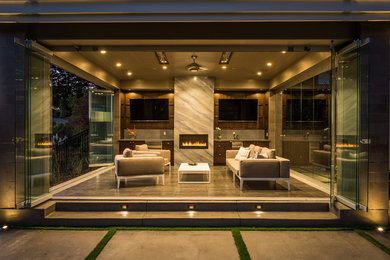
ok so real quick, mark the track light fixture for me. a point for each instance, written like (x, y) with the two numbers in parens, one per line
(161, 57)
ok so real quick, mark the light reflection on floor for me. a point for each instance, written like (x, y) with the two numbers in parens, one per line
(221, 186)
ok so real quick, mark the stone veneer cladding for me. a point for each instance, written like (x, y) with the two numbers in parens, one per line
(194, 114)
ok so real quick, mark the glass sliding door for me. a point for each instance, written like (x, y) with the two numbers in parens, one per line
(38, 145)
(101, 116)
(306, 128)
(351, 141)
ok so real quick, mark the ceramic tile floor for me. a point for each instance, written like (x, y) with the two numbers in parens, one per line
(221, 185)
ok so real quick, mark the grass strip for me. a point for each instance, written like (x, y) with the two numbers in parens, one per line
(100, 246)
(240, 244)
(373, 241)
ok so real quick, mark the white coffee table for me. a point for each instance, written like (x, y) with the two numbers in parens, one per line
(200, 168)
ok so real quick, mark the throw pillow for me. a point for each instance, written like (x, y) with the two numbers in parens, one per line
(127, 152)
(257, 155)
(252, 151)
(270, 153)
(243, 152)
(262, 156)
(257, 149)
(142, 147)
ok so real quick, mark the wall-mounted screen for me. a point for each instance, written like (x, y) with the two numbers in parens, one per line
(306, 110)
(149, 109)
(238, 110)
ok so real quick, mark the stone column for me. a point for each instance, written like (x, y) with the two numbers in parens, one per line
(275, 122)
(194, 114)
(117, 120)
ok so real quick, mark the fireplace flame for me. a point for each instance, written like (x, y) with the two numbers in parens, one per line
(346, 145)
(193, 144)
(44, 143)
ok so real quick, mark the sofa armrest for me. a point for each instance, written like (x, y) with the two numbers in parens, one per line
(284, 167)
(259, 168)
(231, 153)
(166, 154)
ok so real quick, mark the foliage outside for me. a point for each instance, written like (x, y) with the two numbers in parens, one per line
(70, 125)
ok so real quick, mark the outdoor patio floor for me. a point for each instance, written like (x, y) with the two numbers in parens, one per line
(221, 186)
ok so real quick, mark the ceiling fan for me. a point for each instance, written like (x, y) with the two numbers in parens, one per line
(195, 67)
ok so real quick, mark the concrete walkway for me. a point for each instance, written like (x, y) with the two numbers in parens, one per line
(171, 245)
(219, 244)
(48, 244)
(310, 245)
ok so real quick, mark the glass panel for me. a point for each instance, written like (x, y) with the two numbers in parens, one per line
(38, 121)
(364, 134)
(352, 127)
(20, 87)
(306, 128)
(101, 127)
(347, 135)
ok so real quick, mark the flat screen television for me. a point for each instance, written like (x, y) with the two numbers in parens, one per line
(149, 109)
(237, 110)
(306, 110)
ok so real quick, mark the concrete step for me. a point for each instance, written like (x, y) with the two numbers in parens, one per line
(161, 206)
(191, 218)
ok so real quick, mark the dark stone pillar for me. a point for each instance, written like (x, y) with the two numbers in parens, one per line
(7, 119)
(379, 72)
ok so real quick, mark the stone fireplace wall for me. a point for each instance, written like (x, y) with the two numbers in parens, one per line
(194, 114)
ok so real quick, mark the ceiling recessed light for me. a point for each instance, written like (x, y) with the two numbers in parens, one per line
(118, 64)
(284, 52)
(269, 64)
(259, 73)
(103, 51)
(164, 67)
(129, 73)
(224, 67)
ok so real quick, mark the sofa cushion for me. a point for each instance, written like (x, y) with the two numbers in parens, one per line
(242, 153)
(270, 152)
(142, 147)
(145, 155)
(127, 152)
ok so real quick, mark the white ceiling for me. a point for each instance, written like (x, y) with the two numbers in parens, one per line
(144, 65)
